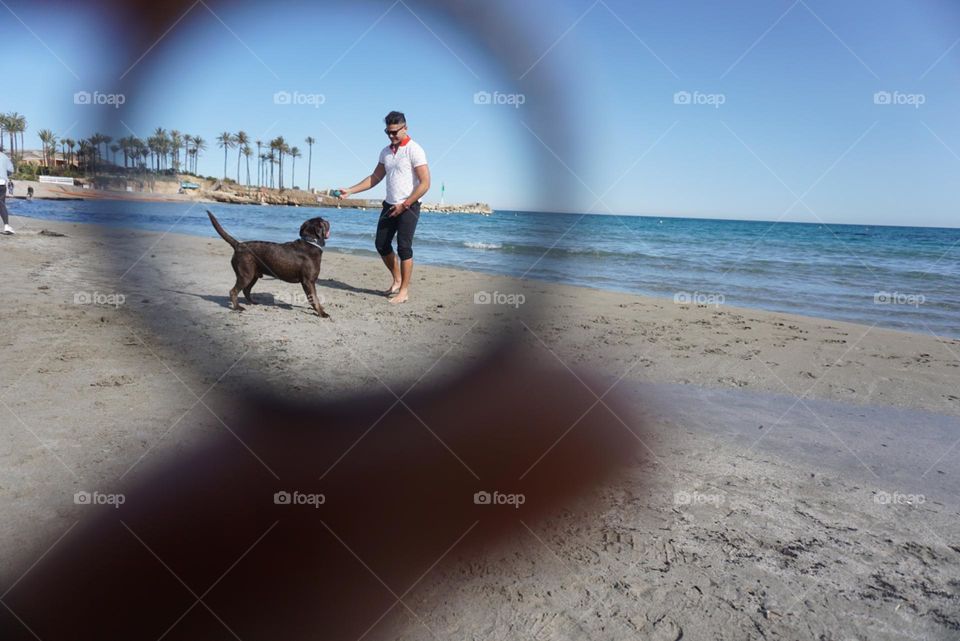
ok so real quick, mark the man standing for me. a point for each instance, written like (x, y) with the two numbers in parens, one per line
(404, 164)
(6, 170)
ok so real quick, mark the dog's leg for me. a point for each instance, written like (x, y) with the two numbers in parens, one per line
(246, 290)
(233, 295)
(310, 289)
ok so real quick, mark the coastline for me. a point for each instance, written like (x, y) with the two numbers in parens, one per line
(231, 193)
(794, 428)
(713, 346)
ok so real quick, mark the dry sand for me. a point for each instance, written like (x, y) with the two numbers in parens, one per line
(807, 470)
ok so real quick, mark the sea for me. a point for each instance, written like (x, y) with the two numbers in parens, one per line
(897, 277)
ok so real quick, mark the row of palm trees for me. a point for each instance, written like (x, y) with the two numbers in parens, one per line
(162, 152)
(85, 153)
(159, 152)
(11, 125)
(277, 150)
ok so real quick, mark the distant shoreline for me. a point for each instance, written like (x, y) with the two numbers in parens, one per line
(210, 191)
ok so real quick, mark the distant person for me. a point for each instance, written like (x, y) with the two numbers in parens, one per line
(29, 193)
(404, 164)
(6, 170)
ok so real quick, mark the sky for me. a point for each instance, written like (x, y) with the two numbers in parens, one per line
(801, 110)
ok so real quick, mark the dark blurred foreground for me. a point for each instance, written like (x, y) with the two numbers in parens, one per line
(374, 495)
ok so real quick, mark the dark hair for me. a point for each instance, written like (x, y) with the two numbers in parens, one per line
(395, 118)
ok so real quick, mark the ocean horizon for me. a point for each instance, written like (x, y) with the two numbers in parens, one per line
(727, 220)
(898, 277)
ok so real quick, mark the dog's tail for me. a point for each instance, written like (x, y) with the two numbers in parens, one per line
(223, 232)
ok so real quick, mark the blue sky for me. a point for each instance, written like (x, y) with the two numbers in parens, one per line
(797, 134)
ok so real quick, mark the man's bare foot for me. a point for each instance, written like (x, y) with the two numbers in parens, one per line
(393, 290)
(401, 297)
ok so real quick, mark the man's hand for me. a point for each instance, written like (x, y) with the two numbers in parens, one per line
(344, 192)
(398, 209)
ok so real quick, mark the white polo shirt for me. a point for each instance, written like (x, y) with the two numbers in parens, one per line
(401, 179)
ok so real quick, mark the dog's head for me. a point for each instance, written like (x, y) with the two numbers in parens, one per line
(316, 229)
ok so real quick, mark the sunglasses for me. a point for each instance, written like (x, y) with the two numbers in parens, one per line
(394, 132)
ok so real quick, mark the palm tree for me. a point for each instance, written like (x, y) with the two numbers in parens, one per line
(71, 143)
(140, 151)
(4, 125)
(294, 154)
(85, 152)
(153, 144)
(271, 158)
(259, 163)
(242, 140)
(310, 140)
(161, 148)
(176, 143)
(247, 152)
(93, 149)
(199, 145)
(272, 154)
(48, 140)
(187, 142)
(18, 125)
(280, 147)
(284, 151)
(165, 155)
(225, 141)
(65, 144)
(21, 127)
(106, 140)
(125, 148)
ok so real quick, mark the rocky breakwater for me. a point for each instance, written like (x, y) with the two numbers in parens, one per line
(300, 198)
(470, 208)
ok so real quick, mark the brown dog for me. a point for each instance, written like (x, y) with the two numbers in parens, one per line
(294, 262)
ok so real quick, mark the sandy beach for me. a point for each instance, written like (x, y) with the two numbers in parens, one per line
(805, 471)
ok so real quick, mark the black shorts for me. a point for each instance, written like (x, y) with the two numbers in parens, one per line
(402, 226)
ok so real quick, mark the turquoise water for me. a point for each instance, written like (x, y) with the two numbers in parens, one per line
(900, 277)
